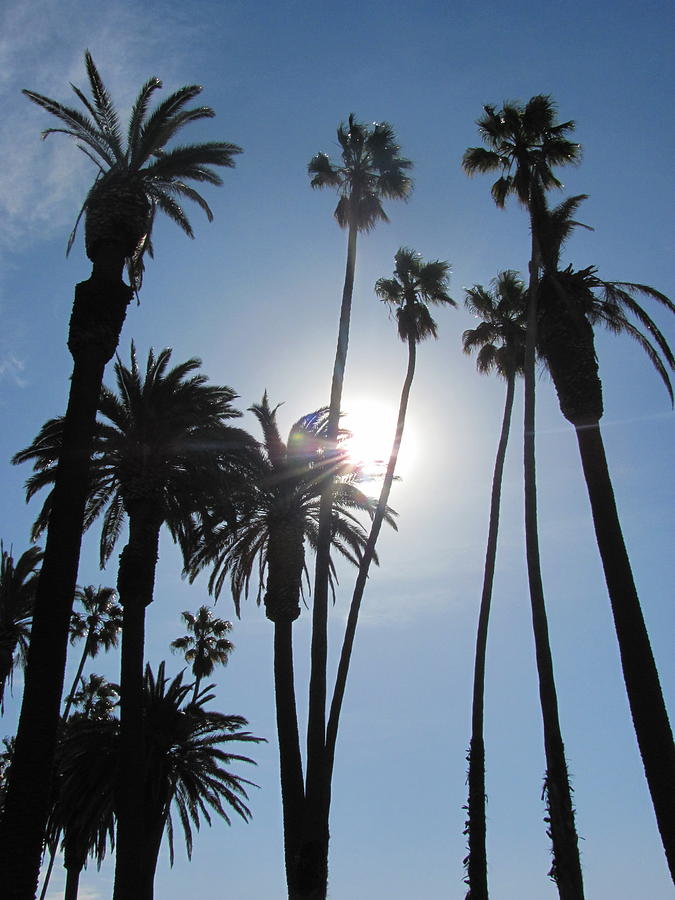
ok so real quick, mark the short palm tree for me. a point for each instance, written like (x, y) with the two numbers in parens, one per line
(205, 645)
(523, 144)
(371, 169)
(134, 179)
(187, 750)
(100, 626)
(414, 285)
(572, 303)
(278, 519)
(162, 448)
(18, 583)
(82, 809)
(500, 341)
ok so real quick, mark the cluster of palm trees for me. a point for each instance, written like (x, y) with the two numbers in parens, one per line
(160, 449)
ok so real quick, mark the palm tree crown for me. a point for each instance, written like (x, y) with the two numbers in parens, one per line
(500, 336)
(18, 582)
(523, 142)
(138, 175)
(371, 168)
(415, 283)
(280, 512)
(102, 620)
(162, 440)
(206, 644)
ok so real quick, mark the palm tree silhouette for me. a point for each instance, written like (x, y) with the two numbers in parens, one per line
(205, 645)
(135, 178)
(371, 169)
(161, 448)
(523, 143)
(278, 515)
(99, 626)
(414, 285)
(572, 303)
(500, 341)
(18, 582)
(82, 807)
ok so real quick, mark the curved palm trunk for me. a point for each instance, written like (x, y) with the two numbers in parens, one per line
(364, 567)
(566, 869)
(475, 827)
(645, 697)
(313, 854)
(98, 313)
(135, 584)
(570, 354)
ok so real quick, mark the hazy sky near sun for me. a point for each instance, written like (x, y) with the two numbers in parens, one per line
(256, 297)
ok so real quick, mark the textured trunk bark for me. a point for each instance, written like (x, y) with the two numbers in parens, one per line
(290, 761)
(645, 697)
(135, 584)
(566, 869)
(72, 883)
(313, 854)
(98, 313)
(475, 826)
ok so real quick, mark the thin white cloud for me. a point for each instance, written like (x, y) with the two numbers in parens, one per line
(42, 47)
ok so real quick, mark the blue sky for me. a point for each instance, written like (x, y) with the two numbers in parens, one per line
(256, 297)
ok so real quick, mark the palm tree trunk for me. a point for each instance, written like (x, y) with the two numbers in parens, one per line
(290, 761)
(645, 697)
(135, 584)
(72, 883)
(313, 855)
(566, 869)
(475, 826)
(98, 313)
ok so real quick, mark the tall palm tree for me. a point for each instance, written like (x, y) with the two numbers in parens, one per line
(500, 341)
(572, 303)
(162, 447)
(414, 285)
(18, 583)
(205, 645)
(523, 143)
(135, 178)
(278, 519)
(371, 169)
(99, 626)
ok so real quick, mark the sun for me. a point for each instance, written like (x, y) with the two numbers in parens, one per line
(372, 424)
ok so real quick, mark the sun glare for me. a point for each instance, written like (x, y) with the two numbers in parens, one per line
(372, 425)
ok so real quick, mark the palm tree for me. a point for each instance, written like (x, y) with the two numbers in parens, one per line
(134, 179)
(18, 582)
(500, 341)
(572, 303)
(161, 447)
(371, 169)
(523, 143)
(187, 749)
(100, 627)
(83, 799)
(184, 766)
(205, 645)
(279, 517)
(414, 285)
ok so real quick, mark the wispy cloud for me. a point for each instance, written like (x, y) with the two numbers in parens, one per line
(41, 47)
(11, 367)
